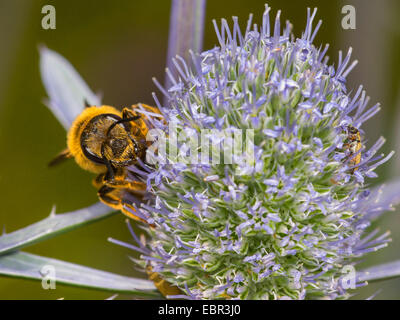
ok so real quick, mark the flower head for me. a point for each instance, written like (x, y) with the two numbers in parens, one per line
(290, 211)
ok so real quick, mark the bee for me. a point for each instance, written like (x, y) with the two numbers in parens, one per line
(166, 288)
(354, 145)
(162, 285)
(105, 141)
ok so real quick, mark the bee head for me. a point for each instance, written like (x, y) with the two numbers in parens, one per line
(108, 140)
(120, 147)
(352, 130)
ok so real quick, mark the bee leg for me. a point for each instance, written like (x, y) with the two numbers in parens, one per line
(63, 155)
(135, 187)
(113, 198)
(98, 182)
(106, 195)
(120, 181)
(129, 114)
(142, 128)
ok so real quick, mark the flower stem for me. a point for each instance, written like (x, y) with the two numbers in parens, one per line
(185, 30)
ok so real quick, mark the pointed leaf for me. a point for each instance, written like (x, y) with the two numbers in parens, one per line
(52, 226)
(66, 89)
(29, 266)
(380, 272)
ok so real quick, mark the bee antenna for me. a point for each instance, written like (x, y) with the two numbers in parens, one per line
(122, 121)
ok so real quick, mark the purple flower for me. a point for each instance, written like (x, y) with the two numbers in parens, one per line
(282, 219)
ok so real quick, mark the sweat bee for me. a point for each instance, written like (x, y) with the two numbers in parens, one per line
(354, 145)
(105, 141)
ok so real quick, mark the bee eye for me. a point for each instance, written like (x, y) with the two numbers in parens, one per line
(352, 130)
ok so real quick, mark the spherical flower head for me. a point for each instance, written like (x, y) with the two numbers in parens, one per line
(284, 213)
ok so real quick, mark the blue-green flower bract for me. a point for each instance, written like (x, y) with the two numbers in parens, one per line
(299, 212)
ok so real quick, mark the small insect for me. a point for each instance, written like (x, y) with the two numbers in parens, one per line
(354, 145)
(105, 141)
(162, 285)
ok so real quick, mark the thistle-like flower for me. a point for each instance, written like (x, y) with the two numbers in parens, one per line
(256, 184)
(291, 210)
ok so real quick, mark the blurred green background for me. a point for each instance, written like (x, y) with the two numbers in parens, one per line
(117, 46)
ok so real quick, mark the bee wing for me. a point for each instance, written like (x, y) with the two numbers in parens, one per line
(63, 155)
